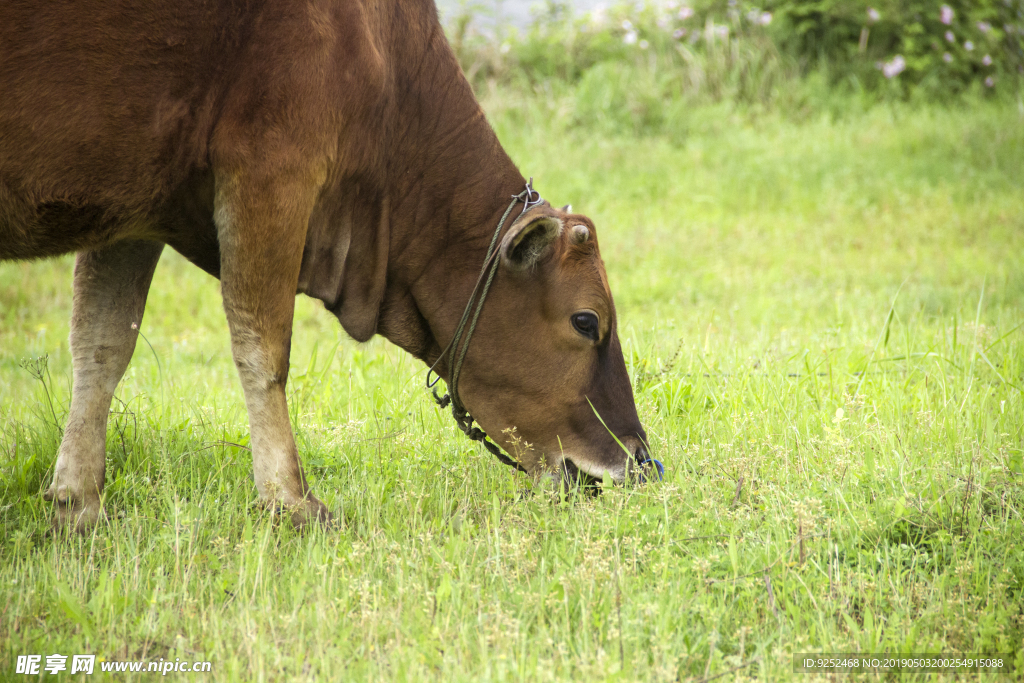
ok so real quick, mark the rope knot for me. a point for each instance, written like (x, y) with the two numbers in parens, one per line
(442, 401)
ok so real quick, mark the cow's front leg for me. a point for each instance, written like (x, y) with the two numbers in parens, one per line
(110, 288)
(261, 225)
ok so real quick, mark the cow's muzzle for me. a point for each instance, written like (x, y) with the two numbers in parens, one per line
(638, 467)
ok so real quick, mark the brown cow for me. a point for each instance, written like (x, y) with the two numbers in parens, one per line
(330, 147)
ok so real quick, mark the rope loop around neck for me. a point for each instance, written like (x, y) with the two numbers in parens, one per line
(459, 345)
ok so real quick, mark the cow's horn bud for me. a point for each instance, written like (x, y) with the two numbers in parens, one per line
(579, 234)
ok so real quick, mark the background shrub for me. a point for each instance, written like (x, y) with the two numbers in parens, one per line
(763, 53)
(944, 47)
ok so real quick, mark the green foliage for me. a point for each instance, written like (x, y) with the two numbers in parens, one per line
(947, 47)
(758, 53)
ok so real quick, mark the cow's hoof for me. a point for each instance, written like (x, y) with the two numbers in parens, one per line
(74, 512)
(310, 513)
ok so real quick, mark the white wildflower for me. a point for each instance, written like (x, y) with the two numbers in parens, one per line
(894, 67)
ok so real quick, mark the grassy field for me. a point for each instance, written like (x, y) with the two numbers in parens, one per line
(824, 322)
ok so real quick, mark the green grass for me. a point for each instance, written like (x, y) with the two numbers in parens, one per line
(824, 320)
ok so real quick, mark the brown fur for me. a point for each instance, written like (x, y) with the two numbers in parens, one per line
(330, 147)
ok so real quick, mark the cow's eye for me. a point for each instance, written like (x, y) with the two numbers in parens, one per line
(587, 324)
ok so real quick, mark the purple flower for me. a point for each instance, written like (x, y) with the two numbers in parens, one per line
(679, 33)
(950, 38)
(968, 45)
(766, 18)
(989, 82)
(873, 15)
(894, 67)
(947, 58)
(987, 60)
(946, 15)
(685, 12)
(984, 26)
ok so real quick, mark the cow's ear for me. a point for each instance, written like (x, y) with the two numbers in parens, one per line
(527, 242)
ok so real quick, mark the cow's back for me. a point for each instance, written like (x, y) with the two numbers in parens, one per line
(108, 107)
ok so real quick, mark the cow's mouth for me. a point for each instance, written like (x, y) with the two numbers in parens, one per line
(574, 477)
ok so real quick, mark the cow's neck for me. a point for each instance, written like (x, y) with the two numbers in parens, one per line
(396, 251)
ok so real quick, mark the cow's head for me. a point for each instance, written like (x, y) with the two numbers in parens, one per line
(545, 365)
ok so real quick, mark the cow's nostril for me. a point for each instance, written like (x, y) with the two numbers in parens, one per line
(648, 467)
(641, 452)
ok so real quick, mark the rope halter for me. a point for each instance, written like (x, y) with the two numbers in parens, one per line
(459, 345)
